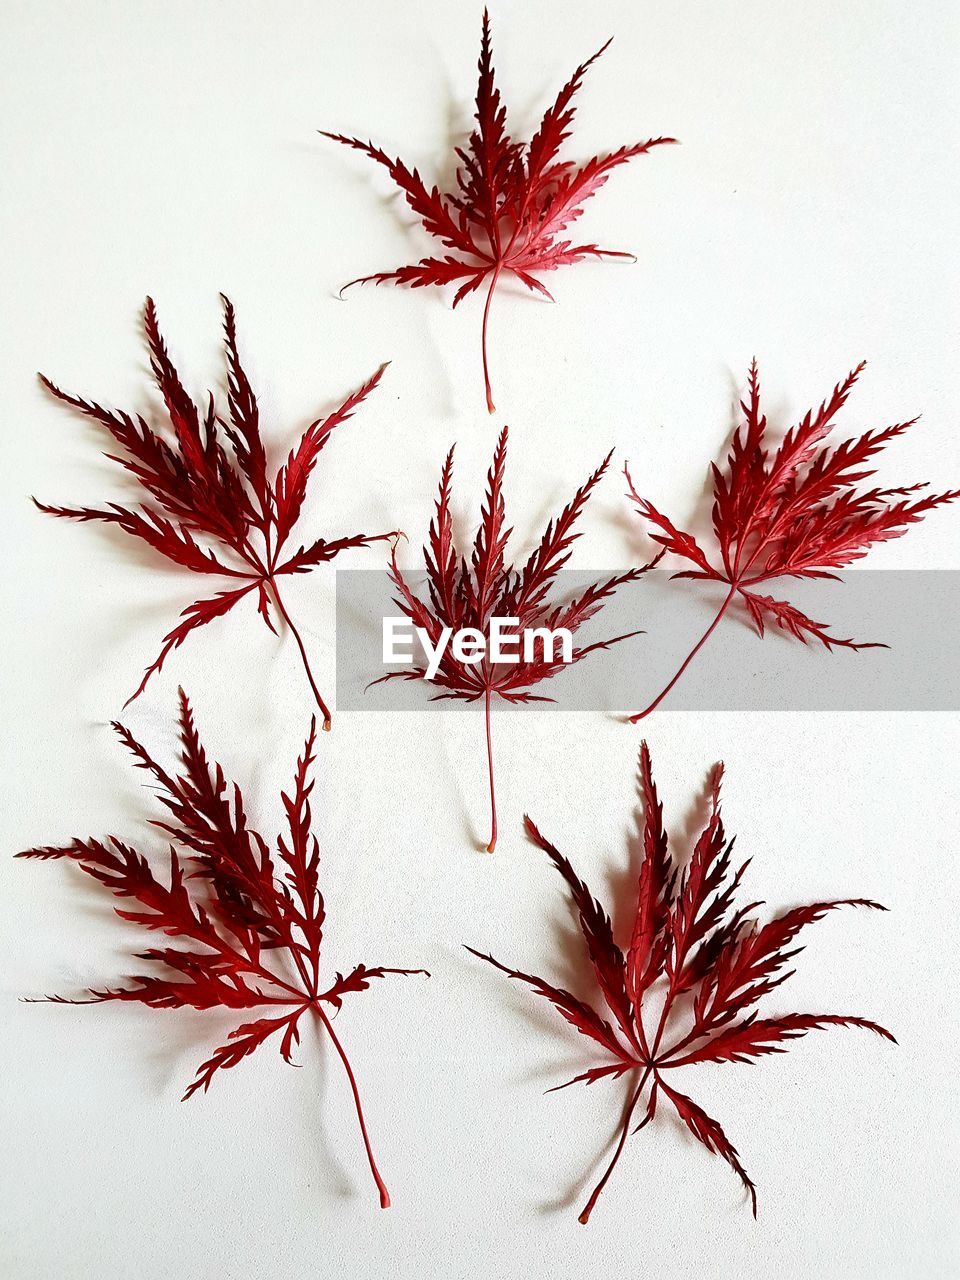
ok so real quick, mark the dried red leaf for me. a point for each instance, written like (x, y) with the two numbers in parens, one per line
(701, 962)
(251, 923)
(209, 493)
(464, 593)
(511, 202)
(798, 510)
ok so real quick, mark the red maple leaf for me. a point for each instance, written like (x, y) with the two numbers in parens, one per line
(511, 202)
(702, 962)
(212, 509)
(798, 510)
(469, 594)
(251, 925)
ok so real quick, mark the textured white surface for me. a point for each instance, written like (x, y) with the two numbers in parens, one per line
(810, 218)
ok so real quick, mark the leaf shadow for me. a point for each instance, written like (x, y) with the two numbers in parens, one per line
(328, 1160)
(471, 823)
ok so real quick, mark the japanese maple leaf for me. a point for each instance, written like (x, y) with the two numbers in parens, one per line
(249, 925)
(797, 510)
(464, 594)
(211, 506)
(701, 961)
(511, 202)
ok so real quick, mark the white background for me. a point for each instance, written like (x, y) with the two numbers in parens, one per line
(809, 217)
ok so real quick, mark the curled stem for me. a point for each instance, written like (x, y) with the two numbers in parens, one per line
(493, 798)
(381, 1185)
(303, 653)
(624, 1130)
(640, 715)
(491, 407)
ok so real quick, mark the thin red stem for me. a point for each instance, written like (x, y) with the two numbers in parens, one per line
(303, 653)
(491, 407)
(640, 715)
(662, 1024)
(641, 1029)
(310, 984)
(381, 1185)
(624, 1130)
(493, 798)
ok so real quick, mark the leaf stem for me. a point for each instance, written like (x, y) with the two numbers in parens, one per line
(303, 652)
(381, 1186)
(662, 1024)
(491, 407)
(640, 715)
(624, 1130)
(493, 798)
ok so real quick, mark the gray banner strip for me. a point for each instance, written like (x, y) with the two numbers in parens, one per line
(915, 613)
